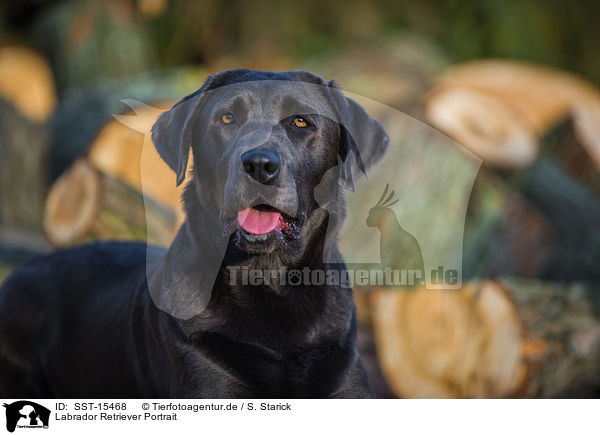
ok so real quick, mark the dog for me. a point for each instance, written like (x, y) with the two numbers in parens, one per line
(124, 319)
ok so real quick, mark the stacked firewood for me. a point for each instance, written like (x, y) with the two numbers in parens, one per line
(120, 189)
(72, 170)
(27, 100)
(526, 322)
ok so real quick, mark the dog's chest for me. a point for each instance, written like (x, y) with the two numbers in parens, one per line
(285, 372)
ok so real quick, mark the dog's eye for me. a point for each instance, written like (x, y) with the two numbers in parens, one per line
(227, 118)
(300, 122)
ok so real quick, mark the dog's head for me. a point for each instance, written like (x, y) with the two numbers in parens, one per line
(262, 142)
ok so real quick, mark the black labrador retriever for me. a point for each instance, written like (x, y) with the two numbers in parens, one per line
(273, 153)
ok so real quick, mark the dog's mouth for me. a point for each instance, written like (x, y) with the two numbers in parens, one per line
(260, 220)
(263, 224)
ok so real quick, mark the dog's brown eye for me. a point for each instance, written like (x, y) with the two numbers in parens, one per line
(300, 122)
(227, 118)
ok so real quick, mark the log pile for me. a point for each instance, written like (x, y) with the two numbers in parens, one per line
(449, 343)
(43, 141)
(535, 201)
(27, 99)
(526, 323)
(497, 108)
(489, 339)
(101, 193)
(121, 189)
(123, 149)
(84, 111)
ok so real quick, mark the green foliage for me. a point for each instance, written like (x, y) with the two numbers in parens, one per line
(90, 39)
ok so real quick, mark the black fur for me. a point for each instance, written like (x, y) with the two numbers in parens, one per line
(84, 322)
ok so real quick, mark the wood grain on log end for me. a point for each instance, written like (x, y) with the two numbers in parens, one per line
(485, 123)
(85, 204)
(450, 343)
(72, 204)
(537, 96)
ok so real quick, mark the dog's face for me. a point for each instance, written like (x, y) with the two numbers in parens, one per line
(262, 142)
(269, 143)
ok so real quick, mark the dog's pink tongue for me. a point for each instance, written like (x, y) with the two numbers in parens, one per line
(257, 221)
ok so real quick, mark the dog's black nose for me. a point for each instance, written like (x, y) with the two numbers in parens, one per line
(262, 165)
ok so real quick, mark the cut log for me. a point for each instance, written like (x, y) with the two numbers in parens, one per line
(84, 111)
(117, 148)
(508, 338)
(26, 81)
(366, 345)
(484, 122)
(85, 204)
(123, 149)
(450, 343)
(541, 97)
(73, 204)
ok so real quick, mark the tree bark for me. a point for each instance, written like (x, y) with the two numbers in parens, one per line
(23, 172)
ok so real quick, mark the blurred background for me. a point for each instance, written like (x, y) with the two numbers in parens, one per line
(514, 82)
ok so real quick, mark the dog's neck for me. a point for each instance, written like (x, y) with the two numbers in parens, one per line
(194, 285)
(283, 313)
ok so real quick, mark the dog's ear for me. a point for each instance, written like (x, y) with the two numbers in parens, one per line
(172, 131)
(363, 140)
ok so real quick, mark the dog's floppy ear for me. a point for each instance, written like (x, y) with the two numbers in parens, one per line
(363, 140)
(172, 132)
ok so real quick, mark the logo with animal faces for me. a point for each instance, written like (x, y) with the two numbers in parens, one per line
(25, 414)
